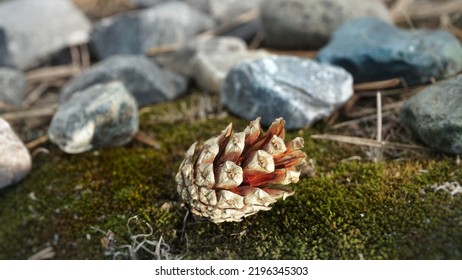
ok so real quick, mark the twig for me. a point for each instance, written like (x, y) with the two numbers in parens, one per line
(31, 113)
(35, 94)
(369, 142)
(379, 151)
(145, 139)
(398, 7)
(47, 253)
(429, 11)
(242, 19)
(377, 85)
(308, 54)
(163, 49)
(51, 73)
(37, 142)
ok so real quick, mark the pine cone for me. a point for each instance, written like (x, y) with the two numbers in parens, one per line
(235, 175)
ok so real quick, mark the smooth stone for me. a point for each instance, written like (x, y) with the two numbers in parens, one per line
(138, 31)
(301, 24)
(434, 115)
(142, 4)
(15, 160)
(181, 61)
(209, 70)
(35, 30)
(104, 115)
(224, 10)
(373, 50)
(13, 86)
(144, 79)
(299, 90)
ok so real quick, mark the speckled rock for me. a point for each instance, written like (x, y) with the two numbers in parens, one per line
(300, 24)
(15, 160)
(103, 115)
(144, 79)
(37, 29)
(434, 115)
(13, 86)
(373, 50)
(137, 32)
(210, 69)
(299, 90)
(181, 61)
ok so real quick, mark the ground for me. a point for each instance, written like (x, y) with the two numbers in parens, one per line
(88, 206)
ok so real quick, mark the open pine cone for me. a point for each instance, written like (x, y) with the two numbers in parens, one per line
(235, 175)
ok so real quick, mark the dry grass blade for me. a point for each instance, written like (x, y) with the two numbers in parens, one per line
(398, 7)
(163, 49)
(426, 11)
(230, 25)
(145, 139)
(35, 94)
(37, 142)
(369, 142)
(377, 85)
(51, 73)
(30, 113)
(308, 54)
(47, 253)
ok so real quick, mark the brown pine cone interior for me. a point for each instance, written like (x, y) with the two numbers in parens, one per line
(235, 175)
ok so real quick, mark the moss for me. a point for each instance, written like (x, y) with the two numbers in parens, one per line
(348, 210)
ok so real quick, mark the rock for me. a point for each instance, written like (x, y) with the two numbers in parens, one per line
(137, 32)
(373, 50)
(5, 59)
(146, 81)
(13, 86)
(104, 115)
(299, 90)
(142, 4)
(210, 69)
(15, 160)
(300, 24)
(38, 29)
(434, 115)
(224, 10)
(181, 61)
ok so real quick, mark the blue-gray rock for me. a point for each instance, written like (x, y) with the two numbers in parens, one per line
(434, 115)
(142, 4)
(299, 90)
(373, 50)
(5, 59)
(144, 79)
(15, 160)
(181, 61)
(13, 86)
(138, 31)
(35, 30)
(104, 115)
(301, 24)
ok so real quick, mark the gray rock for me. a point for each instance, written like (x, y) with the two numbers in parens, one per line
(210, 69)
(13, 86)
(141, 4)
(15, 160)
(434, 115)
(146, 81)
(5, 59)
(299, 90)
(224, 10)
(372, 50)
(37, 29)
(300, 24)
(181, 61)
(104, 115)
(137, 32)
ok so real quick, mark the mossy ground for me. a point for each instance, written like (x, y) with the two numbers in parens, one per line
(347, 210)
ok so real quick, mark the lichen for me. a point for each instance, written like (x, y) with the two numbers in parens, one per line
(347, 210)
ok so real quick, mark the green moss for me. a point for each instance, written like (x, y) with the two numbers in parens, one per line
(348, 210)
